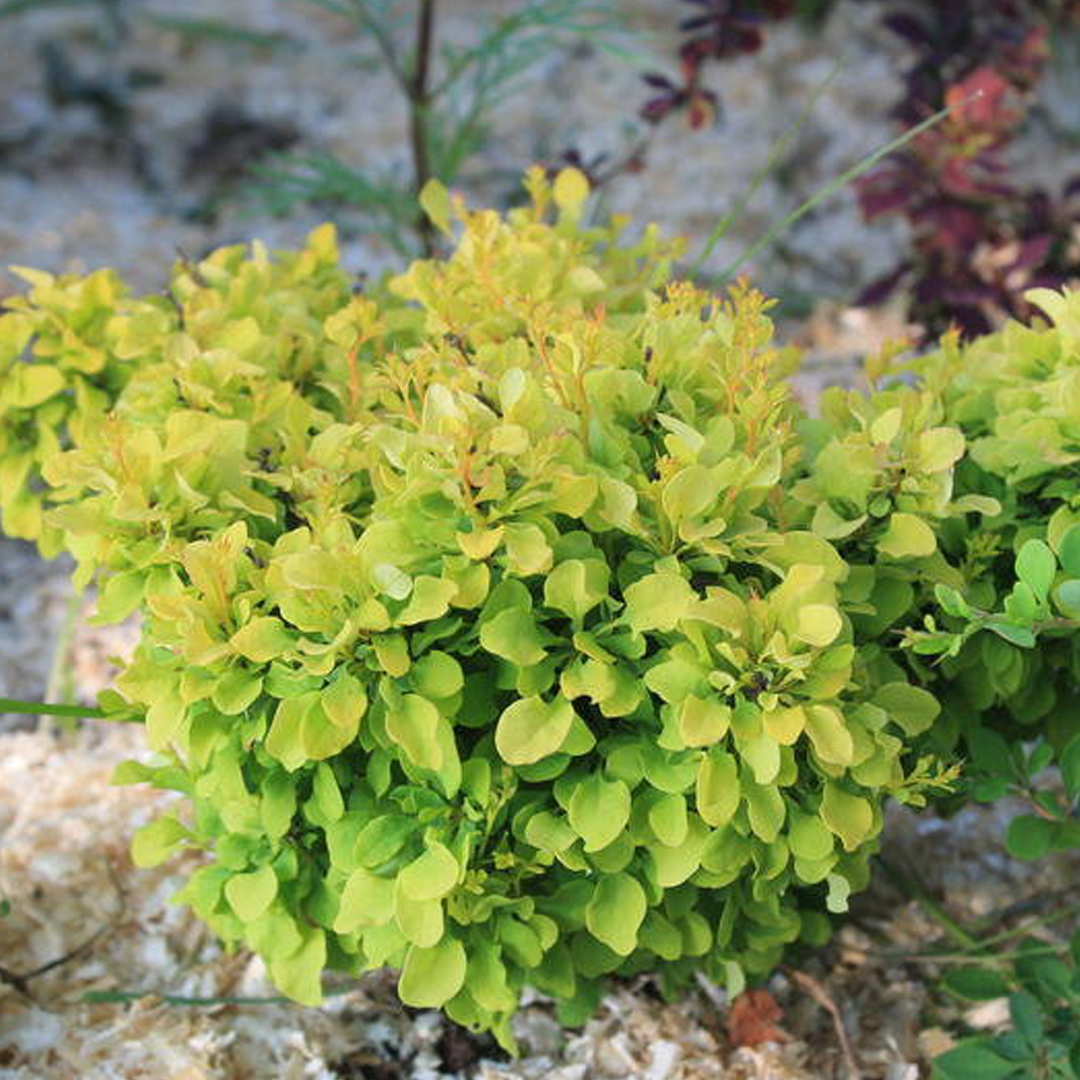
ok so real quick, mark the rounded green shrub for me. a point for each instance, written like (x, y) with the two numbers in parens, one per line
(508, 623)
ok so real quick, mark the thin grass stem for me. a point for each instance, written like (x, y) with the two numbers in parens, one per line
(778, 149)
(41, 708)
(866, 163)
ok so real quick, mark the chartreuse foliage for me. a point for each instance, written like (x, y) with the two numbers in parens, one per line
(509, 624)
(81, 364)
(955, 503)
(997, 640)
(475, 624)
(980, 462)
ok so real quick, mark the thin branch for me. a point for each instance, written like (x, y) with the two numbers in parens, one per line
(965, 959)
(419, 111)
(1022, 907)
(20, 981)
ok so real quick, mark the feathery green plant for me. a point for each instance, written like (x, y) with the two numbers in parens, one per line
(451, 94)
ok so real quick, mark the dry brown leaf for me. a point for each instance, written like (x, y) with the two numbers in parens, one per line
(751, 1019)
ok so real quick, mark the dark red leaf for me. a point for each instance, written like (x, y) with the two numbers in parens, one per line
(703, 109)
(660, 82)
(657, 108)
(1032, 252)
(884, 192)
(979, 100)
(908, 27)
(883, 287)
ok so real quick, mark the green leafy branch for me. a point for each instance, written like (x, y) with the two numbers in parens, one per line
(1039, 978)
(1041, 577)
(1042, 985)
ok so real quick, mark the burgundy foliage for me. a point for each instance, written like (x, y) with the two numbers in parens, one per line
(718, 30)
(978, 239)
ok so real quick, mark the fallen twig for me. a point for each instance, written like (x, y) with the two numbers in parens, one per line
(821, 996)
(21, 982)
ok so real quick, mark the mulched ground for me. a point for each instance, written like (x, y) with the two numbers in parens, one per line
(78, 190)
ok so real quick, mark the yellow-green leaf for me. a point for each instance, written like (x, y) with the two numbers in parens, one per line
(913, 708)
(718, 789)
(530, 729)
(831, 739)
(908, 537)
(818, 624)
(345, 702)
(599, 810)
(155, 842)
(658, 601)
(570, 190)
(939, 449)
(430, 598)
(298, 975)
(432, 976)
(261, 640)
(366, 901)
(435, 202)
(703, 721)
(432, 875)
(848, 816)
(412, 723)
(250, 894)
(616, 911)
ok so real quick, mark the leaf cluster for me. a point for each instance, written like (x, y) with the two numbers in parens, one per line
(958, 485)
(477, 626)
(953, 489)
(511, 625)
(1005, 637)
(980, 237)
(1043, 1038)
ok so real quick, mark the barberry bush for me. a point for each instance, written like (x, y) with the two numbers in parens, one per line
(474, 628)
(509, 623)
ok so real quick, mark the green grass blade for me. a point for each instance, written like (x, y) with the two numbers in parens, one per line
(18, 7)
(41, 708)
(778, 149)
(833, 186)
(119, 997)
(221, 31)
